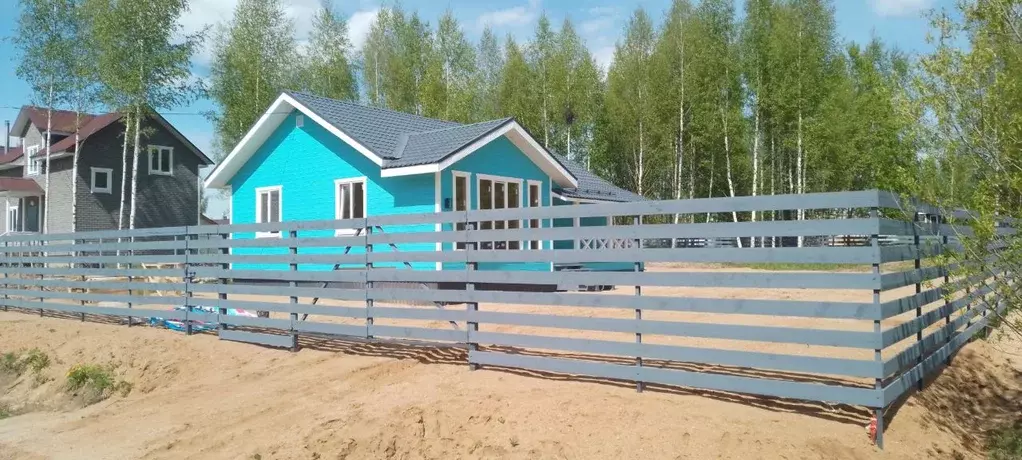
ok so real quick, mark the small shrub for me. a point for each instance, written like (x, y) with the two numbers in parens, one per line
(10, 364)
(1006, 443)
(90, 376)
(36, 360)
(5, 411)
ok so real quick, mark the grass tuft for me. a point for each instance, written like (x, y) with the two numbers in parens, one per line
(90, 376)
(1006, 443)
(35, 360)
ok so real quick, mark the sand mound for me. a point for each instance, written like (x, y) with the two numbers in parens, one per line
(197, 397)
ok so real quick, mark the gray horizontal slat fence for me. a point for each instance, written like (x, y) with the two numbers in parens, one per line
(523, 295)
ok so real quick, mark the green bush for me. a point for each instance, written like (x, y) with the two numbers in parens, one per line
(36, 360)
(90, 376)
(10, 364)
(5, 411)
(1006, 443)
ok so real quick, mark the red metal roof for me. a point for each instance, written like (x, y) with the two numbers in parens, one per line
(62, 120)
(95, 124)
(10, 155)
(19, 184)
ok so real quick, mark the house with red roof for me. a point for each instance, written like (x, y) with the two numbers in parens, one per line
(168, 174)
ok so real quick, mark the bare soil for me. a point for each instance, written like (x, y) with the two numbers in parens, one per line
(198, 397)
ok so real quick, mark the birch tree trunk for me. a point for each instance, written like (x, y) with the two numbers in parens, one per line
(681, 127)
(46, 179)
(74, 174)
(798, 166)
(124, 172)
(727, 159)
(134, 168)
(755, 164)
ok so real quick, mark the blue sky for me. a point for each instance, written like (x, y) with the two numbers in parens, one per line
(601, 22)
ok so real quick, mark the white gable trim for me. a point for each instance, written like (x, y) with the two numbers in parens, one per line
(265, 126)
(521, 138)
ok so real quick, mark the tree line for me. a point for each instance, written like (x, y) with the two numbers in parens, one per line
(700, 100)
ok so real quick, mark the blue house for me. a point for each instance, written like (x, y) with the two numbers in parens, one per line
(313, 158)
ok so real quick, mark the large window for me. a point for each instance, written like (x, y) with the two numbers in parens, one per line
(34, 166)
(268, 209)
(161, 160)
(101, 180)
(499, 193)
(350, 200)
(535, 201)
(461, 194)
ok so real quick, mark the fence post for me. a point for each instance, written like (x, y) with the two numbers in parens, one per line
(874, 240)
(7, 266)
(224, 267)
(639, 385)
(74, 252)
(293, 300)
(919, 287)
(947, 279)
(131, 251)
(41, 276)
(369, 284)
(471, 307)
(188, 284)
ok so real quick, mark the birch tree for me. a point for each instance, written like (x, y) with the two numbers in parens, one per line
(144, 58)
(449, 91)
(253, 62)
(489, 66)
(328, 68)
(575, 87)
(516, 95)
(672, 69)
(45, 43)
(541, 58)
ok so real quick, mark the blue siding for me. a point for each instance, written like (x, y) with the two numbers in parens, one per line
(500, 158)
(305, 162)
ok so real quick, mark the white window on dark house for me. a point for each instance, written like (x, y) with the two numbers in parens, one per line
(499, 193)
(161, 160)
(269, 208)
(349, 200)
(34, 167)
(101, 179)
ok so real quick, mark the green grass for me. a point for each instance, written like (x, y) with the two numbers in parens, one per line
(35, 360)
(90, 376)
(98, 381)
(1006, 443)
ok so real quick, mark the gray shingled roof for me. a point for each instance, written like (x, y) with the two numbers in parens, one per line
(379, 130)
(432, 146)
(403, 139)
(591, 186)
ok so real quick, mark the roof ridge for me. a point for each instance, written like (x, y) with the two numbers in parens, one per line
(369, 107)
(501, 120)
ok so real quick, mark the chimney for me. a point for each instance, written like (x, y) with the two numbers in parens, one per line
(7, 144)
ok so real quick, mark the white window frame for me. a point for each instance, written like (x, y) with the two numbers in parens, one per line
(161, 149)
(259, 211)
(109, 180)
(506, 180)
(32, 167)
(454, 200)
(337, 202)
(10, 207)
(528, 196)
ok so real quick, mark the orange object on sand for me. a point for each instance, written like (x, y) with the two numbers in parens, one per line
(872, 429)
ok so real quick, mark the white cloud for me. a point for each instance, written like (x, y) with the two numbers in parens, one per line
(359, 25)
(899, 8)
(601, 24)
(516, 16)
(604, 56)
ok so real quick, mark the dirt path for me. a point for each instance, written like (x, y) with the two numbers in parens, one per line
(197, 397)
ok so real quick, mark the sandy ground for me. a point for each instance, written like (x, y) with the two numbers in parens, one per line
(198, 397)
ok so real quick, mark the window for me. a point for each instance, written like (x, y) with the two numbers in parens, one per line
(535, 201)
(268, 209)
(35, 167)
(13, 218)
(101, 179)
(499, 193)
(350, 201)
(161, 160)
(460, 200)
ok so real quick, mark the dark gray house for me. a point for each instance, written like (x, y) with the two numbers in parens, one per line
(168, 180)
